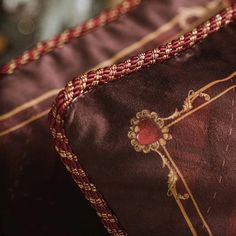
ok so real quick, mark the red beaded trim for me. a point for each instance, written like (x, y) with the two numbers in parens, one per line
(90, 80)
(43, 48)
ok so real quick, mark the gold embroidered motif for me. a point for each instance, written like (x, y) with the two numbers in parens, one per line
(159, 122)
(149, 132)
(160, 135)
(188, 107)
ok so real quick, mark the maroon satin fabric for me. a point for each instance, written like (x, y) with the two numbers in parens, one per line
(134, 184)
(56, 68)
(37, 195)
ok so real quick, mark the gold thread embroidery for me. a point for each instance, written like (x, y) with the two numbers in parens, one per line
(59, 135)
(188, 190)
(65, 154)
(161, 139)
(108, 62)
(66, 148)
(188, 103)
(33, 118)
(181, 17)
(157, 142)
(146, 114)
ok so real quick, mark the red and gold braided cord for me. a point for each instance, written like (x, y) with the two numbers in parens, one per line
(43, 48)
(86, 82)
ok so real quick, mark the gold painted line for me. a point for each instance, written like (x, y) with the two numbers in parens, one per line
(53, 92)
(208, 86)
(29, 104)
(200, 107)
(164, 28)
(126, 51)
(184, 213)
(146, 39)
(179, 203)
(188, 190)
(108, 62)
(24, 123)
(211, 12)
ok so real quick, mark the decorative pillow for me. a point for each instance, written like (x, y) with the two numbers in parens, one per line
(154, 152)
(37, 197)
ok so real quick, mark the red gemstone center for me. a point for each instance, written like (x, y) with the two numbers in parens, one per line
(149, 132)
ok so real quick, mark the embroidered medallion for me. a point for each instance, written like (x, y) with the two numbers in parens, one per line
(148, 131)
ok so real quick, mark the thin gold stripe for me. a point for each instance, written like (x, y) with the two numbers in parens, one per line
(108, 62)
(188, 190)
(29, 104)
(214, 10)
(146, 39)
(179, 203)
(121, 54)
(164, 28)
(39, 115)
(50, 93)
(200, 107)
(24, 123)
(208, 86)
(185, 215)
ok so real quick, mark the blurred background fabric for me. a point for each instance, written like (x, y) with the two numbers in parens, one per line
(26, 22)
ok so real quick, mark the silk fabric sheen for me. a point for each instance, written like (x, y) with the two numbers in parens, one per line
(203, 145)
(37, 195)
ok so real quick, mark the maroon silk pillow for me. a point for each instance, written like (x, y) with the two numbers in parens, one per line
(38, 196)
(154, 152)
